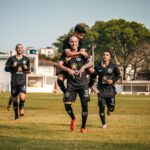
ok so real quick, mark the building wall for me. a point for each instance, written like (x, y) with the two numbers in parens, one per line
(46, 70)
(4, 76)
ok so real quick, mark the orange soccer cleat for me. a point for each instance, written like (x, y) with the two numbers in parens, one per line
(73, 124)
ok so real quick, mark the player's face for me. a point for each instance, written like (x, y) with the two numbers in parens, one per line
(74, 43)
(80, 35)
(20, 49)
(106, 56)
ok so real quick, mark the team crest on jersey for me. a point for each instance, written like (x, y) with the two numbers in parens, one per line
(104, 78)
(24, 62)
(78, 59)
(110, 70)
(74, 66)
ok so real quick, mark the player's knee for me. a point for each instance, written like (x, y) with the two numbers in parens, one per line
(101, 113)
(68, 108)
(14, 99)
(85, 113)
(111, 108)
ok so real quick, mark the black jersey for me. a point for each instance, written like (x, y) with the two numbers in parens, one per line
(111, 72)
(16, 68)
(75, 64)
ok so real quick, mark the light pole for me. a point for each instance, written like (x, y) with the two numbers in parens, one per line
(93, 46)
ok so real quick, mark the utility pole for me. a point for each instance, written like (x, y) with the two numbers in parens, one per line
(93, 46)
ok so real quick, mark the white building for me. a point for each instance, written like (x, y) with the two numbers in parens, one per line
(48, 51)
(4, 76)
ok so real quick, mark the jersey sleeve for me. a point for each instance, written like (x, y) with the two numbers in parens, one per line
(8, 65)
(117, 75)
(28, 65)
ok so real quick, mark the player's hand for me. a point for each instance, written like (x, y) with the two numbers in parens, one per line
(82, 69)
(109, 81)
(85, 54)
(25, 67)
(72, 72)
(14, 64)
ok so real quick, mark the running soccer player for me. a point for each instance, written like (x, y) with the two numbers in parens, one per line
(77, 83)
(79, 32)
(18, 66)
(108, 73)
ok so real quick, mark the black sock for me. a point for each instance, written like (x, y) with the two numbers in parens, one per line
(69, 111)
(61, 85)
(21, 104)
(92, 79)
(10, 101)
(15, 105)
(84, 113)
(102, 116)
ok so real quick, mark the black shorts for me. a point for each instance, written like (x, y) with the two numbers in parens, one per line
(16, 89)
(71, 94)
(107, 91)
(109, 101)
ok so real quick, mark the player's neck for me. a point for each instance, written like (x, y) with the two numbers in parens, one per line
(105, 63)
(19, 56)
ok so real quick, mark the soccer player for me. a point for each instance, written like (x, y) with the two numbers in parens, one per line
(79, 32)
(18, 66)
(76, 84)
(108, 73)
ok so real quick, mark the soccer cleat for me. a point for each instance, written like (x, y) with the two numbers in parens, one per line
(104, 126)
(8, 107)
(73, 124)
(16, 117)
(21, 112)
(83, 130)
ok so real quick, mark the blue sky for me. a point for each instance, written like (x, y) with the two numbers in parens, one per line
(39, 23)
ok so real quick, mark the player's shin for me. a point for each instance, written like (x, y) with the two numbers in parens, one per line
(84, 114)
(21, 106)
(15, 105)
(61, 85)
(69, 111)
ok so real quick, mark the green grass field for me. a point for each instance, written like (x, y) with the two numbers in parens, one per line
(46, 125)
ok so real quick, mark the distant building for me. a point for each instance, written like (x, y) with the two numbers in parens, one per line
(48, 51)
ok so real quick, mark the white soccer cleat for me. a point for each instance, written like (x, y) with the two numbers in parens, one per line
(104, 126)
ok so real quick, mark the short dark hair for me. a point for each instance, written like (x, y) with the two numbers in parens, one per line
(17, 46)
(108, 51)
(79, 28)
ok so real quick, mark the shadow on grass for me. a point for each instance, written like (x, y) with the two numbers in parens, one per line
(7, 143)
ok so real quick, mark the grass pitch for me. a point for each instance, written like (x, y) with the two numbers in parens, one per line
(46, 125)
